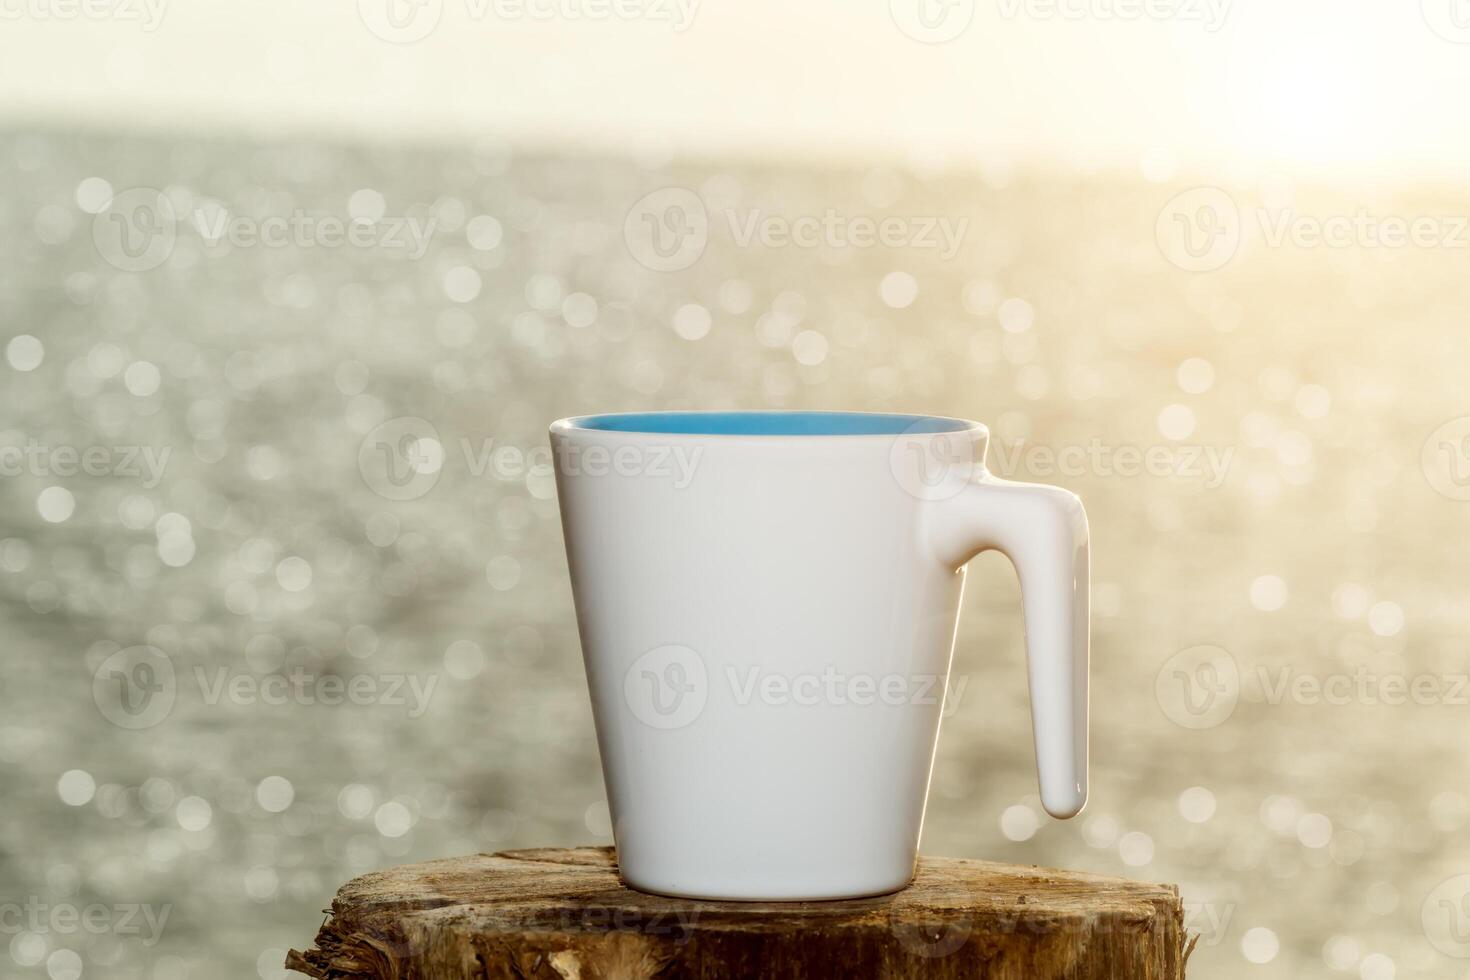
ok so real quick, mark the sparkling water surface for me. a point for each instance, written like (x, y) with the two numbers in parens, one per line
(1271, 449)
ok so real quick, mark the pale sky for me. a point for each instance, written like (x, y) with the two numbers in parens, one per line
(1199, 86)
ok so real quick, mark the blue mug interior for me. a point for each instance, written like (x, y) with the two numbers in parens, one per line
(770, 423)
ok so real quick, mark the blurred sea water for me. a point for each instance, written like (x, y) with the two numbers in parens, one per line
(1268, 436)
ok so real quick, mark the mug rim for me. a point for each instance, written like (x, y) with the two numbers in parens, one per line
(766, 424)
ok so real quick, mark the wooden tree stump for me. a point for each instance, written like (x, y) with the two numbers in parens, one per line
(563, 915)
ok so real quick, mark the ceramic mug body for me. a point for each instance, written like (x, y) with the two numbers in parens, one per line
(767, 604)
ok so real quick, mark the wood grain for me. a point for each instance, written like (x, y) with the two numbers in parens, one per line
(564, 915)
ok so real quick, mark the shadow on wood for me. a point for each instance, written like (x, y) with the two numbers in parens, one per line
(563, 915)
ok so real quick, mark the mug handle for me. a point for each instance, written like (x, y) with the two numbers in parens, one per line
(1043, 530)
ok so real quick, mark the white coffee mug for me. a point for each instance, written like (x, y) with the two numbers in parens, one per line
(767, 604)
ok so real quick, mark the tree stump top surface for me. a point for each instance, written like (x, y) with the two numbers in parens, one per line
(558, 913)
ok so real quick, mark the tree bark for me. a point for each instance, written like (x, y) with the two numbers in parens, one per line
(563, 915)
